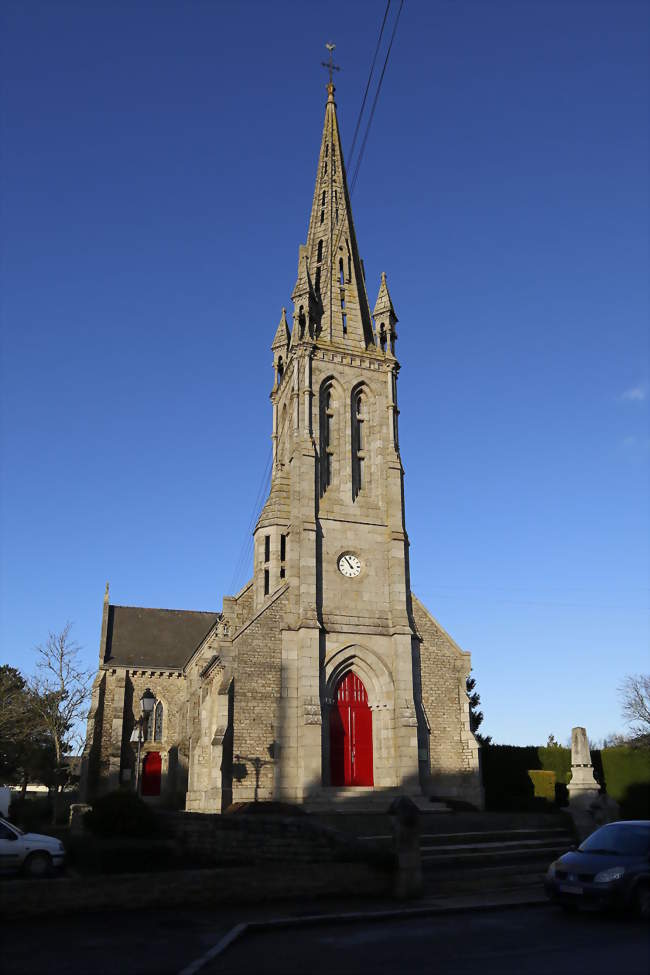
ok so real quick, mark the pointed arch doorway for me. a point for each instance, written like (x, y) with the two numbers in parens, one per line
(351, 734)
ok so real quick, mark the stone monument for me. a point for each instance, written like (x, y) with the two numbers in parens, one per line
(588, 808)
(582, 771)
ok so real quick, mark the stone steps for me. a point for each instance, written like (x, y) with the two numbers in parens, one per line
(489, 859)
(361, 799)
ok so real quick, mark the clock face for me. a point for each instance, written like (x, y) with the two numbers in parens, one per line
(349, 565)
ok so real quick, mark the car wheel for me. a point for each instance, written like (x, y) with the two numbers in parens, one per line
(642, 900)
(38, 865)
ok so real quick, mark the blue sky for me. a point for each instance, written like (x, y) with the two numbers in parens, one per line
(158, 162)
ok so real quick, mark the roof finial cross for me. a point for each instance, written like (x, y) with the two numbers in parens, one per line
(330, 64)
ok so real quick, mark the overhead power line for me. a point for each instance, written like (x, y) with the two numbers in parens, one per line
(352, 184)
(374, 104)
(372, 70)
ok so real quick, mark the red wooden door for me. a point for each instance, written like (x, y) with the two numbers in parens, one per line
(151, 774)
(351, 734)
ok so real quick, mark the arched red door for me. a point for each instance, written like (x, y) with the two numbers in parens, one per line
(351, 734)
(151, 774)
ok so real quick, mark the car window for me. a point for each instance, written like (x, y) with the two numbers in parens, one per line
(16, 829)
(623, 838)
(6, 833)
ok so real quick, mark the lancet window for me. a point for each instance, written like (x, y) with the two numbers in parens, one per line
(359, 436)
(328, 444)
(158, 722)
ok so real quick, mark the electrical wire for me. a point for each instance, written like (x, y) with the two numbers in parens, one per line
(372, 69)
(350, 191)
(374, 104)
(247, 544)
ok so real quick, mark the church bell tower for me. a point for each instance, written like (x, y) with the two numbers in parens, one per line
(333, 527)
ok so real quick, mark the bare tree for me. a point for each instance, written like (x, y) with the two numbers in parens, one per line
(61, 691)
(635, 697)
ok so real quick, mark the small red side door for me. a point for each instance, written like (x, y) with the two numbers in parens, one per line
(151, 767)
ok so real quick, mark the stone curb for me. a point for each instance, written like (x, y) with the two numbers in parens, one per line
(354, 917)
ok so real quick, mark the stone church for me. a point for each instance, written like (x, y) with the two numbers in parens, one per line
(324, 680)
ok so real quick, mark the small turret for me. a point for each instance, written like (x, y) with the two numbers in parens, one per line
(280, 347)
(305, 299)
(385, 318)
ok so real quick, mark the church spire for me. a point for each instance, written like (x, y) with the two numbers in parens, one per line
(331, 289)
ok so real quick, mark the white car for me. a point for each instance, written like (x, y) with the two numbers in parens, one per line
(33, 853)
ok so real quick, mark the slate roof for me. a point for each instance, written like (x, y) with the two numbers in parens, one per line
(156, 639)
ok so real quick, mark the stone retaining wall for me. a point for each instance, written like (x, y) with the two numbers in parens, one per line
(242, 839)
(228, 886)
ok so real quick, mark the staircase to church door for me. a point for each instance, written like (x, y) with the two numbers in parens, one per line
(351, 734)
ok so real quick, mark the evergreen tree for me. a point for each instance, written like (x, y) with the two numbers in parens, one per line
(475, 716)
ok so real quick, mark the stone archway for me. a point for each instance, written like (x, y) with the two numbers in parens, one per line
(360, 664)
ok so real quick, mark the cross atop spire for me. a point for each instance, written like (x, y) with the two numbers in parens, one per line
(330, 67)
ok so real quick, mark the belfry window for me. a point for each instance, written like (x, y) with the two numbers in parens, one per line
(327, 439)
(322, 202)
(283, 556)
(267, 548)
(341, 272)
(317, 281)
(358, 443)
(158, 722)
(344, 317)
(319, 252)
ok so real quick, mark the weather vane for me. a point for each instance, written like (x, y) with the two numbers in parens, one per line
(330, 64)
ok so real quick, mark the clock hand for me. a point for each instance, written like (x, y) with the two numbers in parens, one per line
(346, 559)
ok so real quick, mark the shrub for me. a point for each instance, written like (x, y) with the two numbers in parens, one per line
(121, 813)
(555, 758)
(627, 778)
(31, 813)
(543, 784)
(506, 779)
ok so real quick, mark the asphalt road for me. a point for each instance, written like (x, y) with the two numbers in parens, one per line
(527, 941)
(523, 941)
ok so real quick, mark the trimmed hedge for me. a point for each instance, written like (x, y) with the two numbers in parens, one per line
(507, 783)
(519, 777)
(543, 784)
(627, 778)
(556, 759)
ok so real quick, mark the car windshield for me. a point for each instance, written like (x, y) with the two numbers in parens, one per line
(626, 839)
(15, 828)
